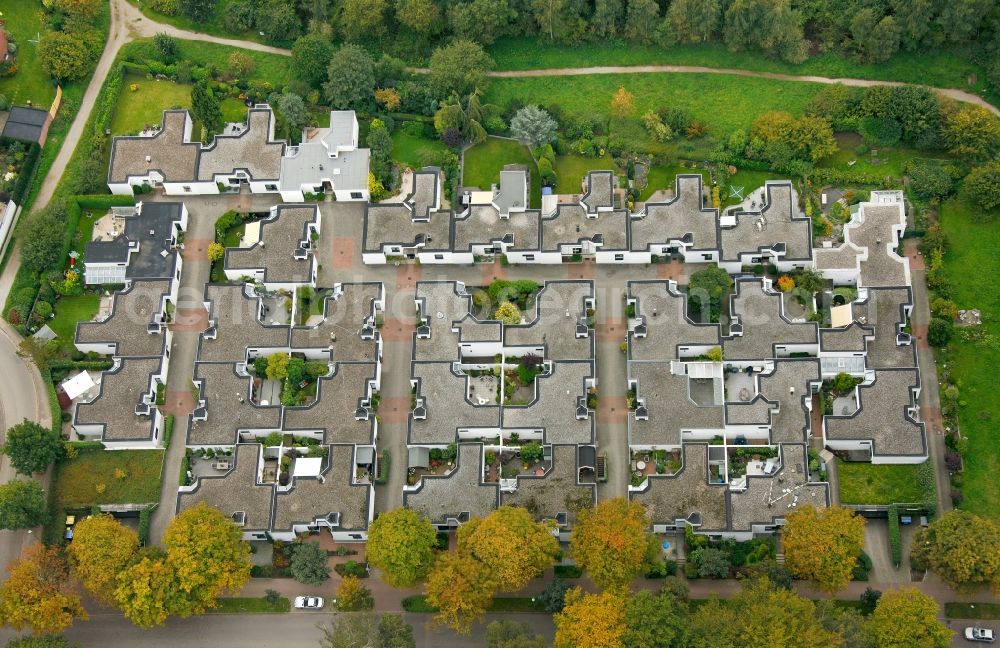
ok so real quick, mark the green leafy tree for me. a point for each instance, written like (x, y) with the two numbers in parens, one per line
(422, 17)
(64, 56)
(641, 20)
(482, 21)
(533, 126)
(240, 64)
(166, 47)
(768, 25)
(351, 75)
(278, 20)
(293, 111)
(22, 505)
(760, 616)
(711, 562)
(610, 541)
(277, 366)
(655, 620)
(981, 186)
(608, 17)
(972, 131)
(197, 10)
(694, 21)
(875, 37)
(41, 237)
(401, 544)
(914, 18)
(929, 179)
(394, 632)
(906, 617)
(363, 20)
(31, 447)
(309, 563)
(367, 630)
(962, 548)
(458, 68)
(823, 545)
(707, 288)
(102, 548)
(205, 107)
(311, 56)
(510, 544)
(513, 634)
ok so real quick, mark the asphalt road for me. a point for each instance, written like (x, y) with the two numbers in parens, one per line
(296, 630)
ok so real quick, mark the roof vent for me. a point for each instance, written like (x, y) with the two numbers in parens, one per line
(240, 518)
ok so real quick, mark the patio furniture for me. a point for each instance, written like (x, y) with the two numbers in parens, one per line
(222, 464)
(640, 465)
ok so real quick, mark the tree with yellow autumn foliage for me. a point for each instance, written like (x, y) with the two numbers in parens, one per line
(823, 545)
(38, 593)
(461, 588)
(591, 620)
(610, 541)
(102, 548)
(510, 544)
(906, 617)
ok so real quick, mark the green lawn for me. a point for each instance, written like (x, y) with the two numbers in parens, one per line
(71, 310)
(972, 265)
(724, 102)
(144, 107)
(890, 161)
(411, 151)
(972, 610)
(484, 161)
(938, 68)
(90, 478)
(275, 68)
(233, 110)
(24, 21)
(571, 169)
(662, 176)
(864, 483)
(247, 605)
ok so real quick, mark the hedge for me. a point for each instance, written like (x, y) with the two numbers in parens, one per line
(568, 571)
(895, 540)
(168, 430)
(27, 174)
(269, 571)
(145, 515)
(84, 446)
(383, 468)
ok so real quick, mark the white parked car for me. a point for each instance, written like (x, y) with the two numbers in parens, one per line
(984, 635)
(308, 602)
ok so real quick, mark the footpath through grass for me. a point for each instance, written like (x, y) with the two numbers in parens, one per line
(213, 25)
(972, 265)
(944, 69)
(882, 484)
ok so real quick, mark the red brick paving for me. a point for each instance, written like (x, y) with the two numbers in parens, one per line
(343, 252)
(583, 270)
(673, 270)
(195, 249)
(920, 334)
(179, 402)
(395, 409)
(611, 329)
(931, 416)
(396, 329)
(492, 271)
(407, 276)
(913, 254)
(190, 319)
(612, 409)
